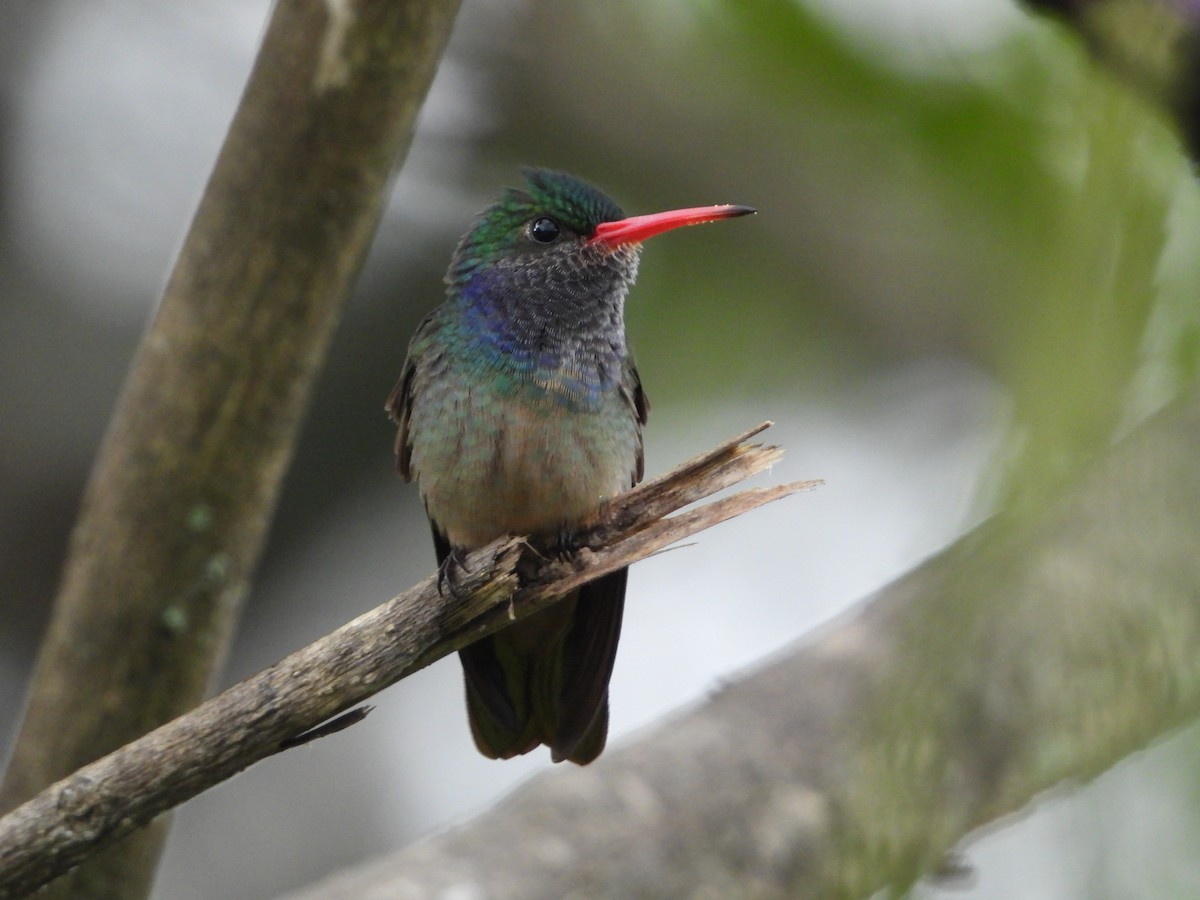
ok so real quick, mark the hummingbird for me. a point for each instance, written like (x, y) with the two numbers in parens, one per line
(519, 411)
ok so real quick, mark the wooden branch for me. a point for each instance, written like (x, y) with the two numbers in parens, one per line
(1031, 652)
(281, 705)
(182, 492)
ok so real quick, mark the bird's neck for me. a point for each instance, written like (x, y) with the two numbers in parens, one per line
(541, 318)
(565, 346)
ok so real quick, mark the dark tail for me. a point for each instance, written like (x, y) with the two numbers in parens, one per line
(544, 680)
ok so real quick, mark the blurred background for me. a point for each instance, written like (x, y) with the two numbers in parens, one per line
(976, 262)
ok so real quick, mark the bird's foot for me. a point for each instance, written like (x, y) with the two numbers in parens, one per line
(562, 545)
(449, 577)
(566, 543)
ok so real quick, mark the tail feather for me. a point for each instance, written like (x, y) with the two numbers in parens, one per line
(589, 651)
(544, 680)
(499, 728)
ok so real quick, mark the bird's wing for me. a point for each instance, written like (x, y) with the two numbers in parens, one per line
(421, 354)
(399, 406)
(639, 406)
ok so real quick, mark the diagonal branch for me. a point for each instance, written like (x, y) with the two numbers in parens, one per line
(267, 712)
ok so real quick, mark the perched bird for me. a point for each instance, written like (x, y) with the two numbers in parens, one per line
(520, 412)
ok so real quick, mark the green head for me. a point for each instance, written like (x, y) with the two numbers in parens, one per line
(551, 217)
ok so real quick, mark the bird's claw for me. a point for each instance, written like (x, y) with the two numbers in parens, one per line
(448, 579)
(566, 544)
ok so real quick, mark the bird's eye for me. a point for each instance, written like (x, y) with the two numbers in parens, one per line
(544, 230)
